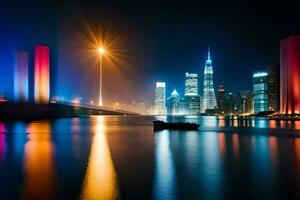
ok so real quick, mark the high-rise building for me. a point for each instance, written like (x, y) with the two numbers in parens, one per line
(209, 97)
(273, 87)
(248, 102)
(238, 103)
(173, 103)
(221, 100)
(193, 105)
(191, 84)
(41, 74)
(260, 91)
(290, 75)
(21, 84)
(183, 107)
(229, 106)
(160, 98)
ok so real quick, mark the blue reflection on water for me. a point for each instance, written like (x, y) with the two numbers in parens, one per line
(20, 138)
(165, 174)
(212, 176)
(262, 123)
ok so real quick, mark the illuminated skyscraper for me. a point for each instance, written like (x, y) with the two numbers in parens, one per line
(21, 77)
(191, 84)
(209, 97)
(290, 75)
(41, 74)
(160, 98)
(221, 99)
(260, 91)
(173, 103)
(193, 105)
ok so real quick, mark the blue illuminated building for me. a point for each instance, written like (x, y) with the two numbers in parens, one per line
(260, 91)
(173, 103)
(209, 97)
(191, 103)
(191, 84)
(160, 98)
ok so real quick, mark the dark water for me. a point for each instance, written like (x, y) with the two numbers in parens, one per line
(121, 157)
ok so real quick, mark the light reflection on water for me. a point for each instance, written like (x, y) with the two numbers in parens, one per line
(39, 172)
(165, 174)
(100, 181)
(226, 159)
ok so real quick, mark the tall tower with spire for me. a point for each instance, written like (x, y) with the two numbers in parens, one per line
(209, 97)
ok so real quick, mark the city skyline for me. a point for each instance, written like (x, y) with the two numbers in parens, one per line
(154, 48)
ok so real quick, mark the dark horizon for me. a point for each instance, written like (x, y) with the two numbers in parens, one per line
(160, 42)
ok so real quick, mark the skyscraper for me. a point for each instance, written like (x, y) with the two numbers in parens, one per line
(273, 88)
(160, 98)
(229, 106)
(248, 103)
(221, 99)
(173, 103)
(41, 74)
(21, 84)
(191, 99)
(191, 84)
(290, 75)
(209, 97)
(193, 105)
(260, 91)
(238, 103)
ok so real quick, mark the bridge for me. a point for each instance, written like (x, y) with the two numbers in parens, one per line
(30, 111)
(99, 110)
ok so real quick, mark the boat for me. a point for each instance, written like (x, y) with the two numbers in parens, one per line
(161, 125)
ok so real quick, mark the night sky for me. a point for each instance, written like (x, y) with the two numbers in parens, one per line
(159, 41)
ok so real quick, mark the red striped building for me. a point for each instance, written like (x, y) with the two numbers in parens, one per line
(290, 75)
(41, 74)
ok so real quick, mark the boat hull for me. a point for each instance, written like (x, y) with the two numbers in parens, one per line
(161, 125)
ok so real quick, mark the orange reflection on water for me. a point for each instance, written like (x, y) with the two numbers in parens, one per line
(222, 143)
(273, 149)
(282, 124)
(272, 124)
(236, 145)
(38, 163)
(100, 181)
(297, 125)
(235, 122)
(221, 121)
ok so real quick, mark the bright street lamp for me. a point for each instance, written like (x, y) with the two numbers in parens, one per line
(101, 51)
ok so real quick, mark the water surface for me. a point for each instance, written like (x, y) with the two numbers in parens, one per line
(122, 158)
